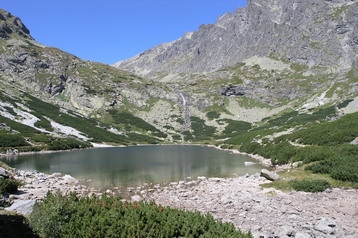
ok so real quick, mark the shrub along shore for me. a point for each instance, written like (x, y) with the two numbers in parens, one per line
(240, 201)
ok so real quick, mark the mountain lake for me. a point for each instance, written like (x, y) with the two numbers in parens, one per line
(134, 166)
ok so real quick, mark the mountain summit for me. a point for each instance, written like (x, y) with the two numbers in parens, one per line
(11, 24)
(313, 33)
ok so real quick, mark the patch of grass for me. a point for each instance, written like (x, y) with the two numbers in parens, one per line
(299, 67)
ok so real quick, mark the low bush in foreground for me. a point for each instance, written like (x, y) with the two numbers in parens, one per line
(69, 216)
(9, 185)
(312, 186)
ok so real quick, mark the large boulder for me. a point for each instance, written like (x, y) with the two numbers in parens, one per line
(22, 206)
(269, 175)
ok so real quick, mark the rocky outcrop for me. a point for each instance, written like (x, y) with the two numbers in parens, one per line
(10, 24)
(312, 33)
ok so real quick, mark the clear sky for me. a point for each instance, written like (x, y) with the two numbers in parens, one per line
(108, 31)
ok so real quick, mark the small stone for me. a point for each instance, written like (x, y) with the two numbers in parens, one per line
(296, 164)
(136, 198)
(301, 234)
(215, 179)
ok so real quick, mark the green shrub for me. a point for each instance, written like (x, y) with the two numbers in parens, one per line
(212, 115)
(201, 131)
(312, 186)
(12, 140)
(44, 123)
(343, 130)
(129, 119)
(67, 144)
(322, 167)
(344, 104)
(235, 127)
(345, 169)
(18, 126)
(9, 185)
(70, 216)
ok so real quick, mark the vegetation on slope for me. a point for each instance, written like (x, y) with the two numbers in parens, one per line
(322, 146)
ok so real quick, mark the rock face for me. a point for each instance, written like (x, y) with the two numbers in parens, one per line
(10, 24)
(312, 33)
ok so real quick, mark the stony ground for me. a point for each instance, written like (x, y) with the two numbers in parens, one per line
(37, 185)
(265, 212)
(240, 200)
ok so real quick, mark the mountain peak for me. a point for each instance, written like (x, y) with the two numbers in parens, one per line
(10, 25)
(310, 33)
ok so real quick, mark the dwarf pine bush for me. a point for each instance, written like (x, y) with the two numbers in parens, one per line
(70, 216)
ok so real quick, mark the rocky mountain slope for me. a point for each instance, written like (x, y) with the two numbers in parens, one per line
(321, 35)
(56, 93)
(261, 61)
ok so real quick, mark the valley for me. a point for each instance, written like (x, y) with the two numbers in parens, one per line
(277, 80)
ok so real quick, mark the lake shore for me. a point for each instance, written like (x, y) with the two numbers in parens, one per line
(264, 212)
(239, 200)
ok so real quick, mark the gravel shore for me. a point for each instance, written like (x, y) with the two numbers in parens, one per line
(265, 212)
(239, 200)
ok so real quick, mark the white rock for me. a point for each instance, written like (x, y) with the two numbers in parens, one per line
(136, 198)
(22, 206)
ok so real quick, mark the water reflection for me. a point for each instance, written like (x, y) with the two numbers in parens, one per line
(136, 165)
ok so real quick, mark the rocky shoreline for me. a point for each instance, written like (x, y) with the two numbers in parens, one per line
(239, 200)
(264, 212)
(37, 185)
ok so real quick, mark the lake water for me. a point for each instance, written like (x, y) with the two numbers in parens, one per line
(136, 165)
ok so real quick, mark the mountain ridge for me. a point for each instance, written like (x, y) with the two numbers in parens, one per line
(294, 31)
(121, 107)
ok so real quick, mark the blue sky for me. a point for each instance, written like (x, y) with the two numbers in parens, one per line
(111, 30)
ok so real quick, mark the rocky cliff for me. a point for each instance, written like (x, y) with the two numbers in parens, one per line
(322, 35)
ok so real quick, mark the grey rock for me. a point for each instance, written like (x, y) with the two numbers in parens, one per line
(3, 173)
(296, 164)
(326, 225)
(285, 231)
(301, 234)
(22, 206)
(11, 24)
(269, 175)
(136, 198)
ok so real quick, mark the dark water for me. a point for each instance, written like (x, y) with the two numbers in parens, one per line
(133, 166)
